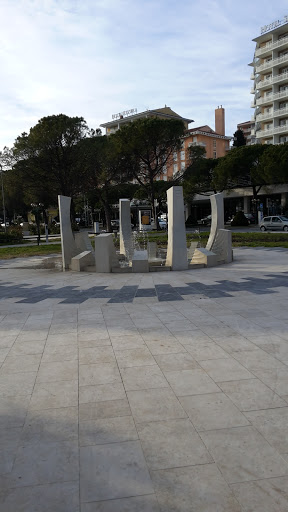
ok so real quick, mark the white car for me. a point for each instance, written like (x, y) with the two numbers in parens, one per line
(274, 222)
(162, 223)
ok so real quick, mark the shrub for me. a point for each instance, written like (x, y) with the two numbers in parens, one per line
(239, 220)
(13, 235)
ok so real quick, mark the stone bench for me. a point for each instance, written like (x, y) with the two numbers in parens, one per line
(140, 261)
(81, 261)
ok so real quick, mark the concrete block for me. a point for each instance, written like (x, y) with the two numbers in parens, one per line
(208, 258)
(105, 253)
(140, 261)
(81, 261)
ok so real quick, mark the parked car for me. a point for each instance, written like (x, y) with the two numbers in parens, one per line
(274, 222)
(250, 217)
(206, 221)
(162, 223)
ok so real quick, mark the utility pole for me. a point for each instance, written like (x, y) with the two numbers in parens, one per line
(3, 198)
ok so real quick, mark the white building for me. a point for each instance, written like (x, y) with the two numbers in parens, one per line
(270, 87)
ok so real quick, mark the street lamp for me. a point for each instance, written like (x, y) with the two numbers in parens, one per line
(3, 198)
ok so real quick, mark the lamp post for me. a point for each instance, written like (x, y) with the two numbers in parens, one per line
(3, 198)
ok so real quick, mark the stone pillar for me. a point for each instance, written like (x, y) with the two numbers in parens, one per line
(125, 227)
(177, 246)
(246, 204)
(217, 216)
(68, 245)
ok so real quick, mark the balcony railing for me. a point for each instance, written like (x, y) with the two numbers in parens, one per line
(271, 46)
(271, 63)
(265, 116)
(273, 131)
(272, 97)
(273, 80)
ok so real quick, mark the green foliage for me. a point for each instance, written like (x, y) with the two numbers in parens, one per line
(239, 220)
(198, 178)
(239, 139)
(13, 235)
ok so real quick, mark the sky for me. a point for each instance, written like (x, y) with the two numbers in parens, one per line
(95, 58)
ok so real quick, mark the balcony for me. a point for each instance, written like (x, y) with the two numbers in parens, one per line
(271, 97)
(273, 80)
(271, 63)
(280, 112)
(265, 116)
(271, 46)
(272, 131)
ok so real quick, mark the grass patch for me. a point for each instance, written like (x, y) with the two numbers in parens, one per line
(7, 253)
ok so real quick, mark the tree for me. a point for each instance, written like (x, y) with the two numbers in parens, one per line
(148, 146)
(239, 139)
(198, 176)
(103, 170)
(242, 167)
(47, 158)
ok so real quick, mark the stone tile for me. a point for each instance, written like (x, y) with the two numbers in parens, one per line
(208, 351)
(34, 335)
(7, 341)
(143, 377)
(163, 346)
(134, 357)
(273, 425)
(101, 393)
(235, 344)
(97, 355)
(138, 503)
(190, 337)
(127, 342)
(93, 342)
(47, 395)
(154, 404)
(60, 424)
(276, 379)
(107, 430)
(278, 349)
(13, 411)
(242, 454)
(173, 362)
(107, 409)
(113, 471)
(60, 497)
(3, 354)
(23, 363)
(94, 374)
(269, 495)
(172, 443)
(27, 348)
(68, 338)
(45, 462)
(212, 411)
(251, 394)
(194, 488)
(225, 370)
(55, 353)
(9, 440)
(57, 371)
(14, 384)
(257, 360)
(191, 382)
(156, 334)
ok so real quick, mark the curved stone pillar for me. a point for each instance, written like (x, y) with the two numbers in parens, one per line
(68, 245)
(217, 222)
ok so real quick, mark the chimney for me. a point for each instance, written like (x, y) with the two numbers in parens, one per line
(220, 120)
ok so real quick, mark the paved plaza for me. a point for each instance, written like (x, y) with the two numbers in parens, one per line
(159, 392)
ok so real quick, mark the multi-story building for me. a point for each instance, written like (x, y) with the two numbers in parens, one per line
(248, 129)
(215, 143)
(270, 89)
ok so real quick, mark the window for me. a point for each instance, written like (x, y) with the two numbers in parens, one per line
(283, 122)
(214, 154)
(175, 156)
(267, 94)
(194, 139)
(214, 144)
(175, 168)
(284, 138)
(283, 87)
(276, 219)
(268, 126)
(164, 170)
(282, 36)
(182, 166)
(283, 104)
(164, 178)
(182, 155)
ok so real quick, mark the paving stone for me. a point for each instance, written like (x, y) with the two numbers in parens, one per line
(140, 503)
(191, 382)
(113, 471)
(251, 394)
(143, 377)
(154, 404)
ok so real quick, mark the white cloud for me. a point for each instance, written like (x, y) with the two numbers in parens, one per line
(96, 57)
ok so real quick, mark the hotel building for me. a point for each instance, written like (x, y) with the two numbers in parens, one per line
(270, 89)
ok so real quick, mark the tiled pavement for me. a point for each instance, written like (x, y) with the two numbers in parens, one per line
(162, 392)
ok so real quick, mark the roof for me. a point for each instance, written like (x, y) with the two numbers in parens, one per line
(206, 130)
(164, 112)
